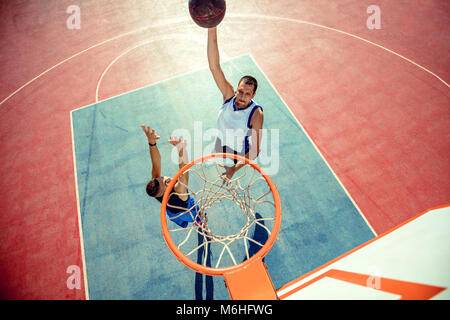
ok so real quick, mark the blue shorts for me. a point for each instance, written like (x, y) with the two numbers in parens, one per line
(183, 219)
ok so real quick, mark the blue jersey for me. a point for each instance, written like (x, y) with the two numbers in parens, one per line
(190, 209)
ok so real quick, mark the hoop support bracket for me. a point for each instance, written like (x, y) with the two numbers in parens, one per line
(252, 282)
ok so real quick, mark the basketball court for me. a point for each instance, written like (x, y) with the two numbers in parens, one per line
(356, 142)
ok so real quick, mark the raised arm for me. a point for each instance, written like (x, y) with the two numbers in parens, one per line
(214, 65)
(154, 152)
(256, 123)
(183, 180)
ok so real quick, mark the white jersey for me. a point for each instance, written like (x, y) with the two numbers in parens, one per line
(234, 125)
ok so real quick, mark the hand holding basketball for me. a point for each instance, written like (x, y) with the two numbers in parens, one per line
(207, 13)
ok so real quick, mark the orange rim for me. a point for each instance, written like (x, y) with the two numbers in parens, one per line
(220, 271)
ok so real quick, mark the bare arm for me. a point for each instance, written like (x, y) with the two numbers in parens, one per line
(256, 122)
(154, 152)
(183, 180)
(214, 65)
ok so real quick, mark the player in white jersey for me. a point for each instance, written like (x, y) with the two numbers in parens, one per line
(240, 119)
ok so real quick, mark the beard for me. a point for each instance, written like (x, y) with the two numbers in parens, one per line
(241, 104)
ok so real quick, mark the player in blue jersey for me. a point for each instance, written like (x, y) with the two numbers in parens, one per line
(240, 119)
(179, 199)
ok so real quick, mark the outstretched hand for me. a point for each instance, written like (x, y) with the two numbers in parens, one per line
(150, 133)
(177, 142)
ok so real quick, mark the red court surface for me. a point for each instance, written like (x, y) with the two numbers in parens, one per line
(375, 103)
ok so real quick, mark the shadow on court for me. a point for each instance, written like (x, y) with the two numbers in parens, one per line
(209, 282)
(260, 235)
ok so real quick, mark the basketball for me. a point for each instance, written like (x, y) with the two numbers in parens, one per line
(207, 13)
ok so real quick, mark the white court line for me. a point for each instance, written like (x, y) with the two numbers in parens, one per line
(315, 146)
(168, 22)
(177, 76)
(258, 16)
(178, 36)
(184, 20)
(232, 16)
(140, 88)
(80, 226)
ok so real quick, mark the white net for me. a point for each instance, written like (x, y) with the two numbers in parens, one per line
(232, 218)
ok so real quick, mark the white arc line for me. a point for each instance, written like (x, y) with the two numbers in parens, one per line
(179, 36)
(317, 150)
(258, 16)
(168, 22)
(232, 16)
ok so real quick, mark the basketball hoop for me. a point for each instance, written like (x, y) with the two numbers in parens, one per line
(251, 201)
